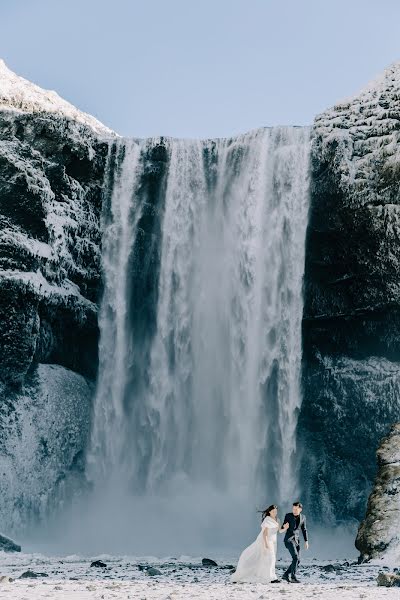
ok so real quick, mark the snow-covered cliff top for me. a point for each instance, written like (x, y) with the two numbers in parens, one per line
(360, 136)
(387, 82)
(17, 93)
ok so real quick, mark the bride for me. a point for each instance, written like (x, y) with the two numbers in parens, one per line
(257, 562)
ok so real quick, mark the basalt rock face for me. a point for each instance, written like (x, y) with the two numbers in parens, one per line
(379, 533)
(351, 327)
(52, 161)
(7, 545)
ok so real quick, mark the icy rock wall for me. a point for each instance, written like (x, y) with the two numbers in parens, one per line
(351, 325)
(52, 160)
(379, 533)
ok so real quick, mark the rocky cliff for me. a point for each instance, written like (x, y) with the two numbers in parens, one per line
(52, 160)
(351, 332)
(52, 165)
(379, 533)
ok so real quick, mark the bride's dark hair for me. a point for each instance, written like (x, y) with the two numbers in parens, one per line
(267, 511)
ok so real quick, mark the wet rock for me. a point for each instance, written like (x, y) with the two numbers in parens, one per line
(98, 564)
(32, 575)
(388, 580)
(362, 559)
(57, 404)
(329, 569)
(151, 571)
(378, 534)
(6, 579)
(52, 164)
(7, 545)
(208, 562)
(351, 317)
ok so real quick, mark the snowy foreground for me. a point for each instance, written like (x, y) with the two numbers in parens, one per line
(126, 577)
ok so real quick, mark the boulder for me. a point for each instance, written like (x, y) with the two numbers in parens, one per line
(388, 580)
(379, 534)
(152, 571)
(7, 545)
(329, 569)
(32, 575)
(98, 564)
(208, 562)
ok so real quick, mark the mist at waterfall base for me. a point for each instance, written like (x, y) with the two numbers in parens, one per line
(194, 420)
(187, 526)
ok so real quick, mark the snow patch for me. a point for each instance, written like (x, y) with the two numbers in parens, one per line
(360, 137)
(19, 94)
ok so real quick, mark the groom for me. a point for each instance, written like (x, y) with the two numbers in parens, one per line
(293, 522)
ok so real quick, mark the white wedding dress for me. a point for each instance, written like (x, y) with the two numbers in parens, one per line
(257, 563)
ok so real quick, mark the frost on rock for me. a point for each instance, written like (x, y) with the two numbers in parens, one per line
(19, 94)
(379, 533)
(352, 295)
(355, 212)
(52, 161)
(346, 412)
(360, 137)
(44, 429)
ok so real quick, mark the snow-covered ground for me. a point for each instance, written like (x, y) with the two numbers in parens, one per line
(126, 577)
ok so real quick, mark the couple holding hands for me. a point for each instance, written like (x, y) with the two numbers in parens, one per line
(257, 562)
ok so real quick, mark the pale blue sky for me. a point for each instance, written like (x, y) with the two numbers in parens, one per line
(200, 68)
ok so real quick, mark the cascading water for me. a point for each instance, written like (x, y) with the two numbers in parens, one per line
(200, 352)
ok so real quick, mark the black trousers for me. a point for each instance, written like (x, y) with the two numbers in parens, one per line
(293, 546)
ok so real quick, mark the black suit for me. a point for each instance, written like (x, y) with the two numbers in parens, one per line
(292, 539)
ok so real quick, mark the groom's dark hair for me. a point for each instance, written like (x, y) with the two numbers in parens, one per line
(299, 504)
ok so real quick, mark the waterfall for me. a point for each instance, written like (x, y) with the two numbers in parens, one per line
(200, 349)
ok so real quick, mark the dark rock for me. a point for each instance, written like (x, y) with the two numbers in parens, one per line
(32, 575)
(99, 564)
(208, 562)
(151, 571)
(378, 532)
(52, 163)
(7, 545)
(329, 569)
(351, 324)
